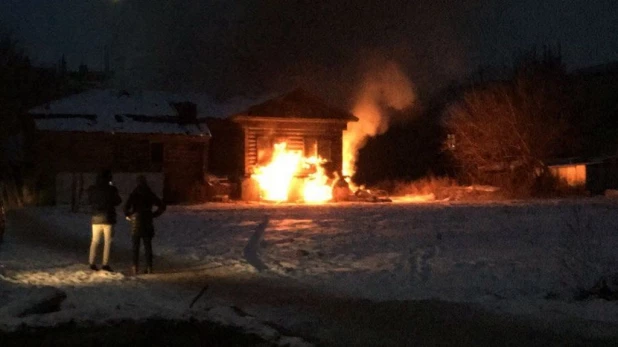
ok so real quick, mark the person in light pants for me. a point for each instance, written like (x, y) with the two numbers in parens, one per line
(103, 198)
(107, 232)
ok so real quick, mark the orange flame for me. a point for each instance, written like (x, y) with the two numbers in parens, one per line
(276, 178)
(316, 187)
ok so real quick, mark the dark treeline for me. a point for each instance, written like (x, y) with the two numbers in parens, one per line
(23, 86)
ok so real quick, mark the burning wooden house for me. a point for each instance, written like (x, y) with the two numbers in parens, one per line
(291, 147)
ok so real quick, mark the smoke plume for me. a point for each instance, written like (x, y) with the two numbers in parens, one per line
(383, 88)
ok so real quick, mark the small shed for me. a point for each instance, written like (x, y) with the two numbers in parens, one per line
(594, 175)
(141, 132)
(573, 175)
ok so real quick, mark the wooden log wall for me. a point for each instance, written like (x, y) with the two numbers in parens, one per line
(294, 134)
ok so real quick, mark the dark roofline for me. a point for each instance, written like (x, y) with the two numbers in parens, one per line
(118, 117)
(160, 119)
(580, 160)
(184, 135)
(200, 123)
(298, 104)
(91, 117)
(610, 68)
(241, 117)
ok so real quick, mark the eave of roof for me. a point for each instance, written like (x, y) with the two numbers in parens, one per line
(130, 124)
(243, 117)
(298, 105)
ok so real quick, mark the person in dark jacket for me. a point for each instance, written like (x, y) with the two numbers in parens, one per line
(103, 198)
(139, 210)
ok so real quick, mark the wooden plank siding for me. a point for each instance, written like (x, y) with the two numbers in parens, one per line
(295, 134)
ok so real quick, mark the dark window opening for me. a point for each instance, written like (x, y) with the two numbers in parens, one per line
(156, 153)
(318, 147)
(324, 149)
(195, 147)
(264, 150)
(311, 147)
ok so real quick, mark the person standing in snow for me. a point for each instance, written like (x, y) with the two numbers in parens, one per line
(139, 210)
(103, 198)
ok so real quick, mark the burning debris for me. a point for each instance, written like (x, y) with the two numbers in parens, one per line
(368, 195)
(289, 176)
(343, 192)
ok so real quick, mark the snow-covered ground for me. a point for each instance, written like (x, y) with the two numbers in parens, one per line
(527, 258)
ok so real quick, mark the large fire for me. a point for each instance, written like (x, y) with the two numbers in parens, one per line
(277, 178)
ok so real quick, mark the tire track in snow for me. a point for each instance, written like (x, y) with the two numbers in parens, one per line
(251, 251)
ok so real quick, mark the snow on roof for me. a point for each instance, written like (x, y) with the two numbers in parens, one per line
(110, 110)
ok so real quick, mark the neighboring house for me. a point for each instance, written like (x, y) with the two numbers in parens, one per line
(145, 132)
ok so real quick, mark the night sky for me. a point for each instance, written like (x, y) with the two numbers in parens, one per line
(237, 47)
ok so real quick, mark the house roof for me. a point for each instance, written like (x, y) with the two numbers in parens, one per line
(298, 104)
(561, 162)
(154, 112)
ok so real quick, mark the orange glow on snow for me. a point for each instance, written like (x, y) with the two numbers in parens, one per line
(418, 198)
(275, 179)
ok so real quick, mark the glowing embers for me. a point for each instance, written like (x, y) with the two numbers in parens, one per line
(289, 176)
